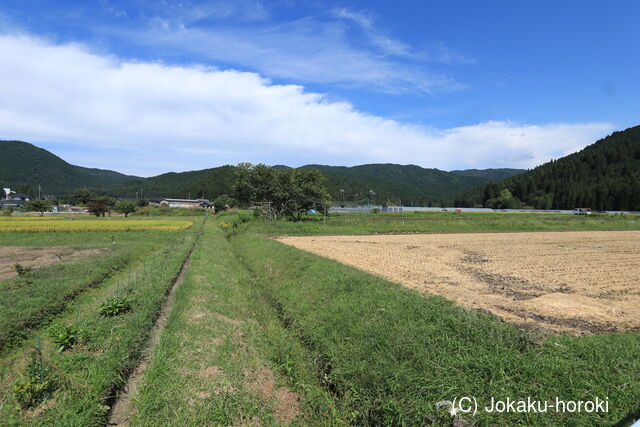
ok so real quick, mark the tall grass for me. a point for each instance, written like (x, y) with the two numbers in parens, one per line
(29, 302)
(389, 354)
(91, 372)
(224, 354)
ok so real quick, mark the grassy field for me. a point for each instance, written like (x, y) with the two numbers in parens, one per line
(389, 354)
(104, 348)
(356, 349)
(226, 352)
(263, 333)
(30, 301)
(446, 222)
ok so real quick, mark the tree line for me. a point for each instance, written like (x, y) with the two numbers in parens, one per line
(603, 176)
(273, 193)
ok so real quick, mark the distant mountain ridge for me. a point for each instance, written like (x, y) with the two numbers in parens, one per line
(25, 166)
(603, 176)
(406, 184)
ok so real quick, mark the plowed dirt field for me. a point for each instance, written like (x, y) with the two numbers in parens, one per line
(576, 282)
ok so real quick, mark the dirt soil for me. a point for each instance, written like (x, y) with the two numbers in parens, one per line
(38, 257)
(577, 282)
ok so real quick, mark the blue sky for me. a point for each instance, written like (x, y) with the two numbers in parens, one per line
(193, 84)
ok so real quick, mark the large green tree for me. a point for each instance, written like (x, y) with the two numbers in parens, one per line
(126, 207)
(280, 193)
(82, 196)
(38, 205)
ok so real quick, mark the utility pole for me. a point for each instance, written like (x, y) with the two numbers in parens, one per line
(39, 190)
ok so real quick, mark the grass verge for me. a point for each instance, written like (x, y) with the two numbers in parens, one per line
(445, 222)
(388, 354)
(225, 357)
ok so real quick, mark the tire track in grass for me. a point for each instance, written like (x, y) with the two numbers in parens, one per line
(121, 407)
(224, 358)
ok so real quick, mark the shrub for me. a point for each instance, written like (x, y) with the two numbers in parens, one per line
(38, 383)
(223, 202)
(114, 306)
(22, 270)
(66, 337)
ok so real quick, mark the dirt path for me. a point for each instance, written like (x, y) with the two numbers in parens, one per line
(578, 282)
(122, 408)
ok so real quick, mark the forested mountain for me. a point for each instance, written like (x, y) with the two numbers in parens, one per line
(24, 166)
(603, 176)
(205, 183)
(489, 175)
(407, 184)
(389, 183)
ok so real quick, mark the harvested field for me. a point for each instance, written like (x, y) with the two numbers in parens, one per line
(576, 282)
(38, 257)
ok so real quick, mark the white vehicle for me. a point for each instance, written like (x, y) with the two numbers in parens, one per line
(582, 211)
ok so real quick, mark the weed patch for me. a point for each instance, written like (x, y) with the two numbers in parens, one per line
(38, 382)
(115, 306)
(65, 337)
(22, 270)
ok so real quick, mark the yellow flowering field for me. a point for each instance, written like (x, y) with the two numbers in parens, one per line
(31, 218)
(20, 225)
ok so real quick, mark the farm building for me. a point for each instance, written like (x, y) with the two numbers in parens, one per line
(13, 199)
(186, 203)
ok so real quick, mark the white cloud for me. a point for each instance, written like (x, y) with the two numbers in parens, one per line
(182, 118)
(433, 52)
(305, 50)
(188, 12)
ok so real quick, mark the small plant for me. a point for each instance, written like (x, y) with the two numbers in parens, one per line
(66, 337)
(37, 384)
(22, 270)
(114, 306)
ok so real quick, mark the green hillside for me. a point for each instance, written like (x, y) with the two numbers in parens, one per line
(489, 174)
(603, 176)
(205, 183)
(25, 166)
(409, 184)
(391, 183)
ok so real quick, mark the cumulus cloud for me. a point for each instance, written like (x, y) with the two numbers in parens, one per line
(159, 117)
